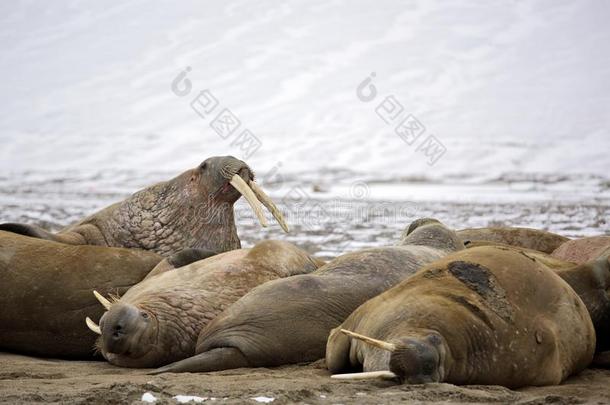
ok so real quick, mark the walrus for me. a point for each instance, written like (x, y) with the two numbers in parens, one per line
(45, 291)
(158, 320)
(583, 250)
(486, 315)
(529, 238)
(192, 210)
(287, 321)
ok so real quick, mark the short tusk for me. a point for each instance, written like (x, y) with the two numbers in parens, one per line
(378, 343)
(386, 375)
(107, 304)
(93, 326)
(241, 186)
(268, 202)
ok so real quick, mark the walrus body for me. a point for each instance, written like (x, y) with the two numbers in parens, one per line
(535, 239)
(583, 250)
(158, 320)
(288, 321)
(45, 292)
(192, 210)
(487, 315)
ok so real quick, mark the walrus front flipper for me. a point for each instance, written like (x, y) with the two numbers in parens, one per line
(602, 359)
(71, 238)
(180, 259)
(223, 358)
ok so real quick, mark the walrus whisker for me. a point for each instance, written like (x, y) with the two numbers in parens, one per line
(269, 204)
(107, 304)
(386, 375)
(241, 186)
(374, 342)
(93, 326)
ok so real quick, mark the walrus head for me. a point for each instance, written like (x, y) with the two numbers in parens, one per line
(413, 360)
(192, 210)
(133, 335)
(433, 233)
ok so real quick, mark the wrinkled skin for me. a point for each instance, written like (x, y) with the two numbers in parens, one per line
(528, 238)
(158, 320)
(45, 292)
(287, 321)
(487, 315)
(584, 249)
(192, 210)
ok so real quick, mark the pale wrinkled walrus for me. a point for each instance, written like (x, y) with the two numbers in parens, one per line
(487, 315)
(46, 291)
(288, 321)
(529, 238)
(584, 249)
(158, 320)
(193, 210)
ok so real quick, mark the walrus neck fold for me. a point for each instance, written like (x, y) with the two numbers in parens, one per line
(168, 216)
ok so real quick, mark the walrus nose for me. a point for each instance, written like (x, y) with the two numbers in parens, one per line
(115, 326)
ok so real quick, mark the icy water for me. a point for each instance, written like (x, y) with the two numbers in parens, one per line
(335, 212)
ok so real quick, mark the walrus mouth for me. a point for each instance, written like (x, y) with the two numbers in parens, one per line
(255, 196)
(391, 347)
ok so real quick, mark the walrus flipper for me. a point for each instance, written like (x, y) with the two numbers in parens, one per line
(223, 358)
(34, 231)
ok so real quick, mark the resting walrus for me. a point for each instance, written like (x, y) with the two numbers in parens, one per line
(192, 210)
(158, 320)
(487, 315)
(528, 238)
(46, 291)
(288, 321)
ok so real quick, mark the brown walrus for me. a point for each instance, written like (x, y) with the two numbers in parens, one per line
(192, 210)
(487, 315)
(158, 320)
(46, 291)
(529, 238)
(583, 250)
(287, 321)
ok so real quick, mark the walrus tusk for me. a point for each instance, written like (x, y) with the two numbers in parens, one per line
(93, 326)
(107, 304)
(378, 343)
(269, 204)
(365, 376)
(241, 186)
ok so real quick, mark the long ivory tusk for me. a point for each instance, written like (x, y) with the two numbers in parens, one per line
(107, 304)
(268, 202)
(365, 376)
(93, 326)
(241, 186)
(374, 342)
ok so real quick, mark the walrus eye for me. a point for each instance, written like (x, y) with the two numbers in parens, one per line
(204, 166)
(144, 314)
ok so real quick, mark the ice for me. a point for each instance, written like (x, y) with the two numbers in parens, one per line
(264, 400)
(183, 399)
(148, 397)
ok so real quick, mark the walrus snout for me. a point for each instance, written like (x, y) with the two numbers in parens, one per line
(120, 326)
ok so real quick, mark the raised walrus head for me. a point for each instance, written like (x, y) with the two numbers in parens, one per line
(192, 210)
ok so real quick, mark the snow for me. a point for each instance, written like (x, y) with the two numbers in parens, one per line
(148, 397)
(264, 400)
(506, 87)
(183, 399)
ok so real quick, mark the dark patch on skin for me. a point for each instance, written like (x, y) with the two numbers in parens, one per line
(472, 308)
(482, 281)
